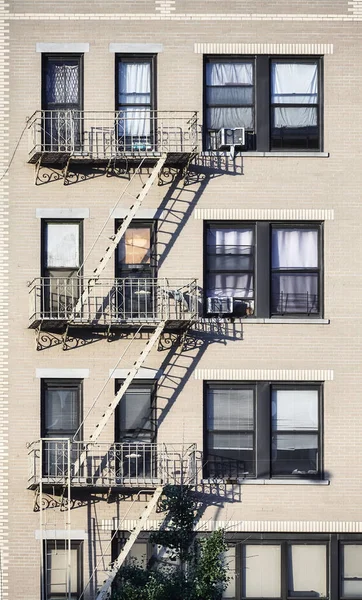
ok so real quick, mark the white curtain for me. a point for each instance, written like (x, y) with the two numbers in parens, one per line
(229, 242)
(134, 88)
(229, 73)
(228, 559)
(134, 83)
(230, 117)
(62, 245)
(294, 248)
(295, 83)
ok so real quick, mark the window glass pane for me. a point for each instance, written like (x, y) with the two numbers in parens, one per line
(351, 570)
(134, 121)
(294, 83)
(295, 293)
(294, 248)
(138, 554)
(230, 409)
(261, 571)
(230, 96)
(295, 410)
(226, 240)
(57, 561)
(61, 410)
(134, 83)
(301, 117)
(135, 411)
(62, 245)
(229, 561)
(237, 285)
(134, 247)
(230, 118)
(307, 574)
(229, 73)
(231, 441)
(62, 82)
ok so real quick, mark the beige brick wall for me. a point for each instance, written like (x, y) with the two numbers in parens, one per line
(255, 182)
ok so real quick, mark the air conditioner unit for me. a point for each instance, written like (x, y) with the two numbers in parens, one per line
(219, 305)
(227, 137)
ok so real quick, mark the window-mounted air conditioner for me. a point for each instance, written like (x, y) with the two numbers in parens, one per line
(220, 305)
(227, 137)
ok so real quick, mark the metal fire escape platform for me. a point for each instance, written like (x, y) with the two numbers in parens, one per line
(112, 139)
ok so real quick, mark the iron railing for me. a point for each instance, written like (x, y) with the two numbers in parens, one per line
(112, 301)
(109, 134)
(111, 465)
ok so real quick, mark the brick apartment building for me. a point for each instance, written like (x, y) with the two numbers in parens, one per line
(214, 148)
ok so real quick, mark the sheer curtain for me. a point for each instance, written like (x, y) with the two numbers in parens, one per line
(62, 83)
(135, 88)
(295, 265)
(294, 83)
(229, 84)
(229, 253)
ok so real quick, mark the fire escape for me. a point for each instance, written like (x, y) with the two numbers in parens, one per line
(63, 140)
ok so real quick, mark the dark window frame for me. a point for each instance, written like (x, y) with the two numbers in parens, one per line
(151, 384)
(137, 58)
(65, 57)
(263, 265)
(61, 383)
(261, 138)
(342, 544)
(140, 223)
(206, 431)
(263, 427)
(75, 544)
(44, 223)
(250, 134)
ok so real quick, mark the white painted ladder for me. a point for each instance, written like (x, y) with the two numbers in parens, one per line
(121, 392)
(105, 589)
(120, 233)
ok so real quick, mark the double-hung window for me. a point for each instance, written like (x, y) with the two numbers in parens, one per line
(262, 430)
(276, 100)
(60, 424)
(263, 269)
(61, 263)
(63, 581)
(135, 101)
(229, 96)
(230, 269)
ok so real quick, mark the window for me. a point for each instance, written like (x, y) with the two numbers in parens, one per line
(140, 552)
(135, 101)
(136, 269)
(230, 431)
(276, 100)
(263, 269)
(262, 430)
(351, 570)
(60, 422)
(61, 262)
(61, 582)
(135, 431)
(61, 101)
(284, 570)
